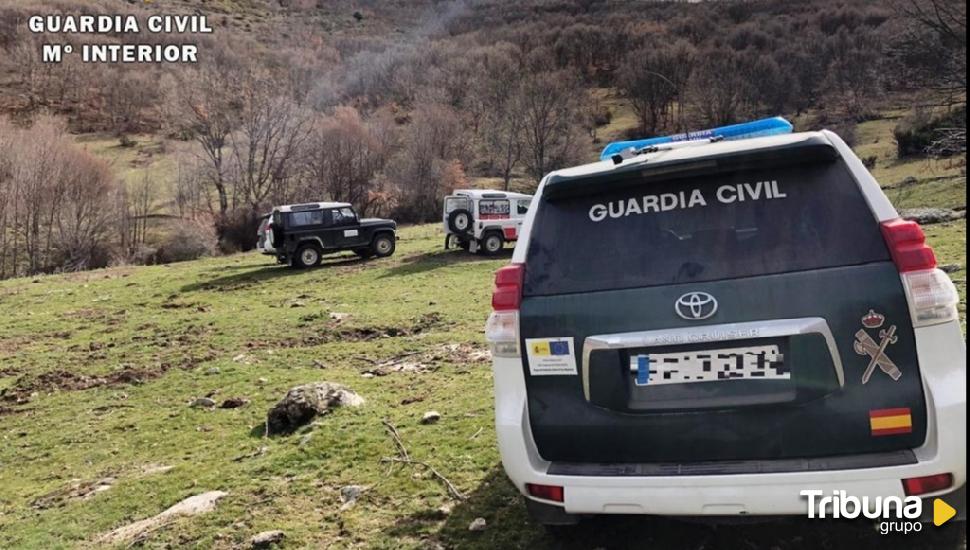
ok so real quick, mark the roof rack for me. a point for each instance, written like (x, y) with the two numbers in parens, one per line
(758, 128)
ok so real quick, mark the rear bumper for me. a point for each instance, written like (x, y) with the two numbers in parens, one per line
(770, 494)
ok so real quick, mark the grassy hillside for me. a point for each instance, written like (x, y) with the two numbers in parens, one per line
(105, 364)
(97, 371)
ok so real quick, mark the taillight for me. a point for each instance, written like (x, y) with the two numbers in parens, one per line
(932, 296)
(502, 327)
(545, 492)
(507, 294)
(907, 244)
(916, 486)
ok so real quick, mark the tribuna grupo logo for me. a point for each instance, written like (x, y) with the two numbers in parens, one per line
(897, 515)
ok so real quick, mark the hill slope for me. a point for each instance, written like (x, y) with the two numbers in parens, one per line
(146, 341)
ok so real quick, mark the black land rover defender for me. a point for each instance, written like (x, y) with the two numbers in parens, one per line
(300, 234)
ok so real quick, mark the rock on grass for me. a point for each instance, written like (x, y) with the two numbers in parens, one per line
(927, 216)
(198, 504)
(302, 403)
(266, 539)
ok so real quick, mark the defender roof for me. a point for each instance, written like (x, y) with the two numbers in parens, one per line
(489, 194)
(305, 206)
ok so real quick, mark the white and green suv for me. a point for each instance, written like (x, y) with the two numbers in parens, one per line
(712, 328)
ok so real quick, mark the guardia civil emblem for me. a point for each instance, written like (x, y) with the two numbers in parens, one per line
(876, 351)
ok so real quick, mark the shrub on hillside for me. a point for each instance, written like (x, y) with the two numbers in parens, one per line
(917, 132)
(602, 115)
(237, 231)
(189, 240)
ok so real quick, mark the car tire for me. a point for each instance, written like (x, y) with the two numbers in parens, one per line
(383, 245)
(492, 243)
(460, 221)
(307, 255)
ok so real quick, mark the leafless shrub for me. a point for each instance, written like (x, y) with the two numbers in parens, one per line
(188, 240)
(52, 214)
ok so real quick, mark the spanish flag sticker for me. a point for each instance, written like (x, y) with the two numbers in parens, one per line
(890, 421)
(541, 348)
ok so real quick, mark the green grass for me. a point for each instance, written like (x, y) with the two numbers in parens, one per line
(102, 321)
(150, 157)
(165, 327)
(198, 315)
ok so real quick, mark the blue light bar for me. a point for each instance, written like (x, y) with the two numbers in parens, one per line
(758, 128)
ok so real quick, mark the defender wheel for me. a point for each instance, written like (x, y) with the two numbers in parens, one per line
(460, 221)
(383, 245)
(308, 255)
(492, 243)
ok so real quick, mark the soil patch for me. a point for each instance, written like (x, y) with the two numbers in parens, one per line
(64, 380)
(335, 331)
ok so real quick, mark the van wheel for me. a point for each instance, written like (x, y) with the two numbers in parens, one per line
(460, 221)
(383, 245)
(307, 255)
(492, 243)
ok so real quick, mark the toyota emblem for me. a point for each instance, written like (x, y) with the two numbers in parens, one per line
(696, 306)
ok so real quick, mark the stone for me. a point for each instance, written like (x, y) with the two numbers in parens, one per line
(430, 417)
(349, 494)
(203, 402)
(194, 505)
(927, 216)
(233, 403)
(478, 524)
(267, 539)
(302, 403)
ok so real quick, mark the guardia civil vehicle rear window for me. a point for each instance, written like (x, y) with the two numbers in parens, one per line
(637, 232)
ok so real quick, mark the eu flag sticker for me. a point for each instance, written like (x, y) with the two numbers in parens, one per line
(550, 356)
(559, 348)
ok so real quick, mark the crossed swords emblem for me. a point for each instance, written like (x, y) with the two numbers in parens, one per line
(865, 345)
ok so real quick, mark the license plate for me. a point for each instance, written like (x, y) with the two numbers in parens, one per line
(750, 363)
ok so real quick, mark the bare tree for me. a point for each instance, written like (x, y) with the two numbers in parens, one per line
(551, 103)
(206, 109)
(854, 72)
(82, 228)
(271, 131)
(423, 170)
(344, 156)
(135, 206)
(654, 78)
(53, 199)
(502, 122)
(720, 88)
(931, 45)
